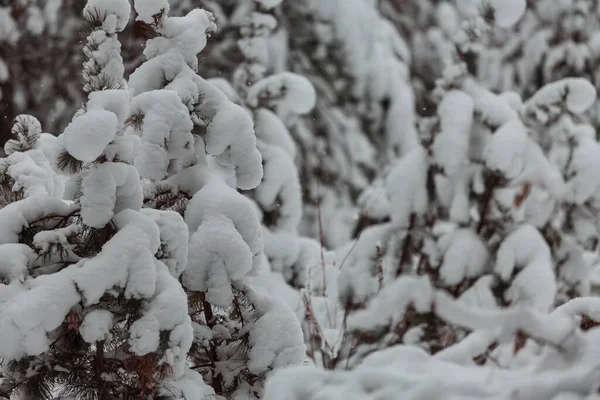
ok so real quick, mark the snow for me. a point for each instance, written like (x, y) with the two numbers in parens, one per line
(217, 198)
(275, 337)
(218, 256)
(506, 150)
(280, 187)
(87, 135)
(151, 74)
(181, 34)
(126, 261)
(465, 256)
(507, 12)
(294, 91)
(406, 187)
(118, 8)
(574, 94)
(107, 189)
(19, 215)
(373, 201)
(583, 183)
(173, 239)
(451, 145)
(190, 386)
(27, 129)
(390, 306)
(225, 243)
(28, 312)
(96, 326)
(53, 245)
(490, 108)
(15, 259)
(488, 265)
(146, 9)
(115, 101)
(164, 311)
(357, 281)
(166, 131)
(535, 283)
(270, 129)
(231, 134)
(32, 174)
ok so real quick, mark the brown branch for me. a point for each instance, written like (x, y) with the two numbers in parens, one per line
(99, 365)
(490, 186)
(209, 317)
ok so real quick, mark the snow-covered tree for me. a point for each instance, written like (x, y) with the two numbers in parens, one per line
(89, 308)
(240, 333)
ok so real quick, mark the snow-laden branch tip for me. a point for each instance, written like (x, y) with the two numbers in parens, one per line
(294, 91)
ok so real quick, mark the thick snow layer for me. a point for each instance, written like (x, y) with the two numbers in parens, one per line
(87, 135)
(218, 198)
(275, 337)
(187, 34)
(107, 189)
(573, 94)
(270, 129)
(152, 74)
(28, 311)
(402, 137)
(19, 215)
(126, 261)
(390, 305)
(147, 9)
(506, 150)
(230, 134)
(465, 256)
(280, 188)
(491, 109)
(15, 259)
(115, 101)
(165, 311)
(294, 91)
(122, 148)
(173, 239)
(357, 280)
(451, 145)
(32, 173)
(406, 187)
(507, 12)
(218, 256)
(535, 283)
(190, 386)
(166, 131)
(225, 210)
(373, 201)
(96, 326)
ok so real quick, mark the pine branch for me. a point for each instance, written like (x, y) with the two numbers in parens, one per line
(66, 162)
(208, 315)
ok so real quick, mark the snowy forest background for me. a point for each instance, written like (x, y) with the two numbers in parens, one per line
(299, 199)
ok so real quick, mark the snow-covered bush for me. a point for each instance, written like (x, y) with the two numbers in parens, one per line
(484, 261)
